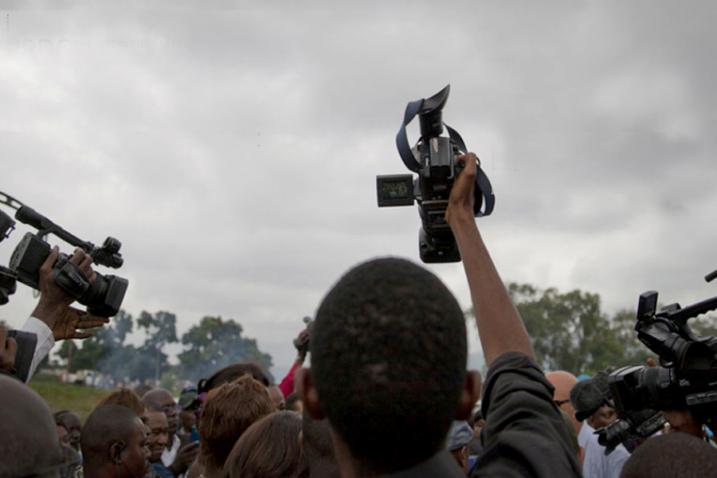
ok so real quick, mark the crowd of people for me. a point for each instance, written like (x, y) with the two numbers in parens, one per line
(387, 394)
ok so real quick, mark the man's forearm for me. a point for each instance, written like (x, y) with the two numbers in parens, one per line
(499, 325)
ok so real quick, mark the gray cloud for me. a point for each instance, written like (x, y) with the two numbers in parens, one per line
(233, 149)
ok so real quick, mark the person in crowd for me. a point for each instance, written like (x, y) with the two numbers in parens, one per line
(125, 398)
(226, 375)
(229, 374)
(69, 428)
(53, 319)
(188, 403)
(228, 411)
(157, 440)
(301, 343)
(389, 350)
(459, 436)
(175, 457)
(29, 446)
(277, 397)
(670, 456)
(270, 448)
(318, 448)
(591, 400)
(114, 444)
(563, 382)
(70, 421)
(72, 462)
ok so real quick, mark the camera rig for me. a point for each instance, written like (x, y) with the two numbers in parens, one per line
(685, 379)
(103, 296)
(434, 160)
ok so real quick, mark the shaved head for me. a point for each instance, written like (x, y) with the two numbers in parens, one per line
(564, 382)
(105, 425)
(111, 438)
(160, 400)
(30, 445)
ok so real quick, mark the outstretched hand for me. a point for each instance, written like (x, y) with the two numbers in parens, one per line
(302, 344)
(462, 198)
(76, 324)
(54, 308)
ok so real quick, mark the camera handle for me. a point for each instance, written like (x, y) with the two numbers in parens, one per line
(483, 188)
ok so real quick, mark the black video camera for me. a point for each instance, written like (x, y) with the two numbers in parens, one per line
(630, 429)
(103, 297)
(686, 379)
(435, 162)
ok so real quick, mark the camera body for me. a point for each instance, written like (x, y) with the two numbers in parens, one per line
(435, 161)
(686, 379)
(103, 297)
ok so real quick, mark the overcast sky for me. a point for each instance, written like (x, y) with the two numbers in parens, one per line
(233, 148)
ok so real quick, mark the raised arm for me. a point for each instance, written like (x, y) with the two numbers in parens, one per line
(499, 326)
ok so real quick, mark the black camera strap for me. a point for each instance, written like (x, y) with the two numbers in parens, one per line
(484, 197)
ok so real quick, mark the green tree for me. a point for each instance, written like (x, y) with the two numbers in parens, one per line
(570, 332)
(160, 329)
(215, 343)
(633, 351)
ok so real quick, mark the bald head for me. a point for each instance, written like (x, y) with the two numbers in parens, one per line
(160, 400)
(563, 382)
(30, 445)
(114, 443)
(156, 398)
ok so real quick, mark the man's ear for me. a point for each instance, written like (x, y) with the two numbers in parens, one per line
(116, 450)
(309, 395)
(469, 395)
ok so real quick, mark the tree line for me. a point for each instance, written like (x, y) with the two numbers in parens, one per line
(569, 331)
(206, 347)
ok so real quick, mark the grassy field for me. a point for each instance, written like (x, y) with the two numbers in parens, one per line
(65, 396)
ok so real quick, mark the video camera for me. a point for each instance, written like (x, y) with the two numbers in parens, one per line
(686, 379)
(103, 297)
(435, 161)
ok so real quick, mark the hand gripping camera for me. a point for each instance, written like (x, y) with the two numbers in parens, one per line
(686, 379)
(103, 297)
(434, 159)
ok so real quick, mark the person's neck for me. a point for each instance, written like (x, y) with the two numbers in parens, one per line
(348, 466)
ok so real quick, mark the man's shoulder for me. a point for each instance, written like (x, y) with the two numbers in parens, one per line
(525, 434)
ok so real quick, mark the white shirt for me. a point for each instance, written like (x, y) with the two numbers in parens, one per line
(169, 454)
(45, 342)
(596, 464)
(585, 432)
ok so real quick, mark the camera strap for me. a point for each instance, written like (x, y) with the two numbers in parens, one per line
(484, 197)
